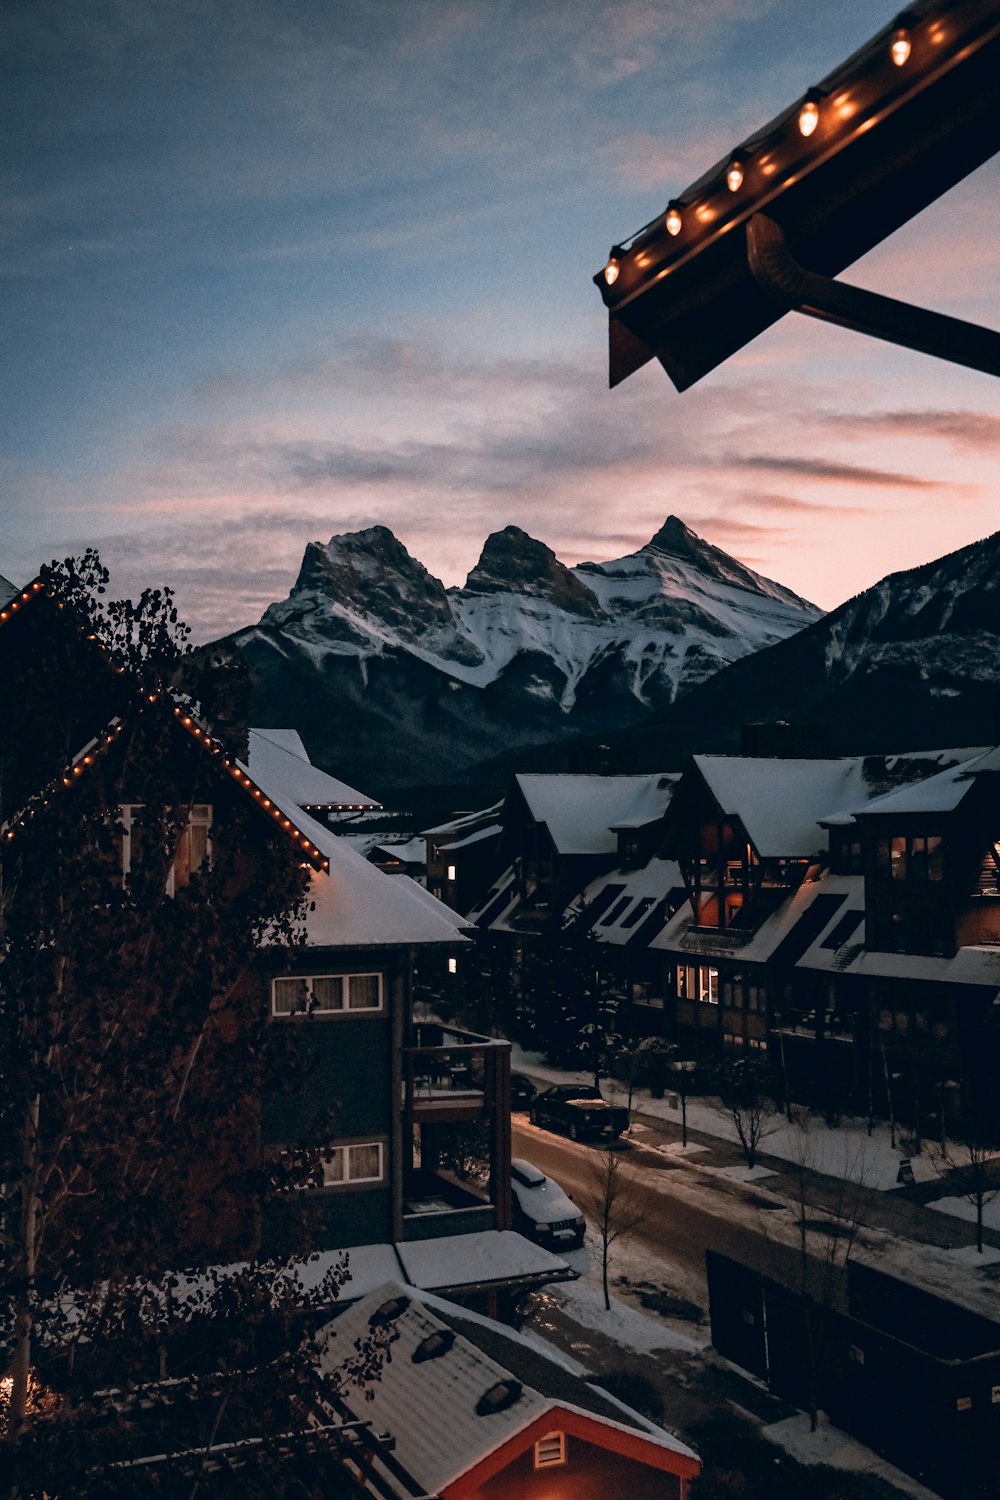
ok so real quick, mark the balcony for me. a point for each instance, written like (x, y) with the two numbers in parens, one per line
(451, 1075)
(434, 1205)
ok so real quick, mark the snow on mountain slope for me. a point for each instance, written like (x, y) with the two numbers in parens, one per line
(668, 617)
(527, 650)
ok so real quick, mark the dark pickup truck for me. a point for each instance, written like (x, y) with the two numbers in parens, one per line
(579, 1110)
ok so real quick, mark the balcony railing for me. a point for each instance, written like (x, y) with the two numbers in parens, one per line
(452, 1074)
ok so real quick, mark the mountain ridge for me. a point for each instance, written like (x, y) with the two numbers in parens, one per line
(527, 650)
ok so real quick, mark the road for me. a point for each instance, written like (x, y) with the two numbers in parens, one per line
(684, 1213)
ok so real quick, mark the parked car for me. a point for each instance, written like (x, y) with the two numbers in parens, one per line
(542, 1210)
(580, 1110)
(522, 1091)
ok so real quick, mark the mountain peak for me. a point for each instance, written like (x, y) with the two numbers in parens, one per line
(371, 571)
(514, 562)
(676, 539)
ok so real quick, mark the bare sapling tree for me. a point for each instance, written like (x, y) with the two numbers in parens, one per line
(971, 1166)
(747, 1098)
(827, 1218)
(614, 1205)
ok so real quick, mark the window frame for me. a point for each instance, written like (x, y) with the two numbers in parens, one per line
(326, 1012)
(344, 1149)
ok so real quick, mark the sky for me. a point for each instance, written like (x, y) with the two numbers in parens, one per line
(274, 270)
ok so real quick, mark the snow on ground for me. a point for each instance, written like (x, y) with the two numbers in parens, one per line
(847, 1151)
(828, 1445)
(629, 1326)
(741, 1174)
(639, 1331)
(961, 1208)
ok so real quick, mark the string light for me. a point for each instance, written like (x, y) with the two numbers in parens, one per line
(900, 46)
(674, 221)
(734, 172)
(809, 113)
(613, 268)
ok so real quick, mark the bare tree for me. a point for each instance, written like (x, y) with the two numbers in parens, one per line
(973, 1167)
(826, 1228)
(613, 1203)
(746, 1091)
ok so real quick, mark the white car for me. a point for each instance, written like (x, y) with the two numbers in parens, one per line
(542, 1210)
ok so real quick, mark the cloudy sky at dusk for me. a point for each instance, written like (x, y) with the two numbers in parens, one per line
(276, 269)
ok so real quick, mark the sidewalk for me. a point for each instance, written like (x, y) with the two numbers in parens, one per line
(901, 1212)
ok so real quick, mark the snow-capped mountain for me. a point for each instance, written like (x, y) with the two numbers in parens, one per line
(392, 677)
(914, 660)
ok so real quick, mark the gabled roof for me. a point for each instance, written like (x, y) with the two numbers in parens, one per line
(288, 818)
(281, 758)
(938, 794)
(781, 803)
(580, 812)
(464, 822)
(356, 905)
(433, 1405)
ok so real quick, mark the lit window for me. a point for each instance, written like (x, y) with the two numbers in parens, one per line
(452, 872)
(193, 847)
(550, 1450)
(453, 966)
(326, 994)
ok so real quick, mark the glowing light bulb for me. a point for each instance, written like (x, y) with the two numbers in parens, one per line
(809, 114)
(612, 270)
(734, 172)
(674, 222)
(899, 48)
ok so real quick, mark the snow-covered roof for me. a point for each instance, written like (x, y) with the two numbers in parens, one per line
(682, 936)
(418, 1399)
(782, 802)
(636, 893)
(581, 811)
(463, 822)
(492, 831)
(497, 903)
(7, 590)
(356, 905)
(279, 756)
(937, 794)
(407, 851)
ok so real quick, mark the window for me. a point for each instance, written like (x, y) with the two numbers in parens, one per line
(326, 994)
(452, 872)
(453, 966)
(347, 1164)
(550, 1450)
(913, 856)
(698, 982)
(194, 846)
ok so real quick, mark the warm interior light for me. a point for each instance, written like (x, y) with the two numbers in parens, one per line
(899, 49)
(611, 270)
(809, 115)
(734, 173)
(674, 222)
